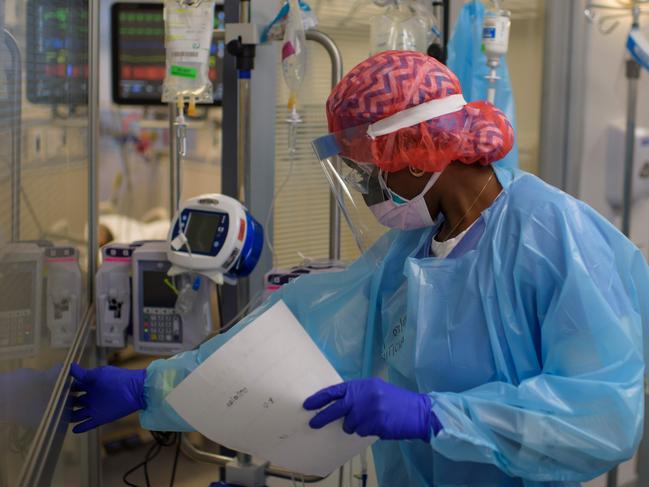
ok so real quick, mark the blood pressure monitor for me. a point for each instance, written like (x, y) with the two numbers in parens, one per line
(214, 235)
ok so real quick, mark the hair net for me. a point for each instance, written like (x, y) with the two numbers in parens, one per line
(393, 81)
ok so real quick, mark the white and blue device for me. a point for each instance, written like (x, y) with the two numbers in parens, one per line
(215, 235)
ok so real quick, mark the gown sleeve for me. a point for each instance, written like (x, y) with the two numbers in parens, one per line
(582, 414)
(332, 307)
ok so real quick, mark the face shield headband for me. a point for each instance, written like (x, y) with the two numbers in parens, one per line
(351, 168)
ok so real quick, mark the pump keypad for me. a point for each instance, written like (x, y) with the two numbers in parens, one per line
(161, 325)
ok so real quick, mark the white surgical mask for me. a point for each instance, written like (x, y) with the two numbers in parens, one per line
(408, 215)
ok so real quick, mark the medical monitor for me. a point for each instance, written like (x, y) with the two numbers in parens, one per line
(56, 58)
(202, 230)
(138, 54)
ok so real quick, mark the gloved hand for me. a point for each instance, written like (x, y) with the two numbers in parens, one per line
(372, 407)
(110, 393)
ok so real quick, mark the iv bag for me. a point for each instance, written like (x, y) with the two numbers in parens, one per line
(276, 30)
(401, 27)
(188, 39)
(294, 54)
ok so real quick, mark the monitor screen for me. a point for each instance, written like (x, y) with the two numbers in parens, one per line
(201, 230)
(138, 58)
(157, 290)
(56, 59)
(16, 290)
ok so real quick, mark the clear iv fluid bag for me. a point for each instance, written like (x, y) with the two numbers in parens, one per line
(188, 39)
(401, 27)
(294, 54)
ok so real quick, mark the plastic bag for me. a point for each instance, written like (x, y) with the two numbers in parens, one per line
(403, 26)
(424, 9)
(294, 56)
(276, 30)
(188, 38)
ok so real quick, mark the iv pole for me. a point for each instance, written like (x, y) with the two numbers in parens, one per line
(633, 76)
(15, 99)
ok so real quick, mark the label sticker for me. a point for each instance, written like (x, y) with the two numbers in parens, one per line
(489, 33)
(184, 72)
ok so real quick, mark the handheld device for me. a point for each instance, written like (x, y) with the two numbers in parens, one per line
(158, 328)
(215, 235)
(113, 283)
(63, 295)
(21, 288)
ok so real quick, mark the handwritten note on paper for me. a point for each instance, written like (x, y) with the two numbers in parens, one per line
(248, 396)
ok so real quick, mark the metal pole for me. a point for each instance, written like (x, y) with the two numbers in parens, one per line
(336, 75)
(16, 136)
(243, 160)
(633, 75)
(243, 149)
(173, 161)
(94, 46)
(446, 27)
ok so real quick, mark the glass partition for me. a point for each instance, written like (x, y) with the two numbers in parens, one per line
(43, 213)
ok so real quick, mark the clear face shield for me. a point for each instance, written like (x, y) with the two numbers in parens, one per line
(350, 161)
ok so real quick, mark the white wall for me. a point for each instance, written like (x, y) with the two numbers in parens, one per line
(605, 102)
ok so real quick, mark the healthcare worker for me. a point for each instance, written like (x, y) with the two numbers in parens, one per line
(496, 333)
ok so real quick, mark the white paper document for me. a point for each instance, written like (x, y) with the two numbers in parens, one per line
(248, 396)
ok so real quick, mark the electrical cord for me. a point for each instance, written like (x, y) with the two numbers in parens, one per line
(173, 470)
(161, 440)
(150, 455)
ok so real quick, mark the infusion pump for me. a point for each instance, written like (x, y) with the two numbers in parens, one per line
(136, 296)
(113, 284)
(158, 327)
(21, 300)
(64, 294)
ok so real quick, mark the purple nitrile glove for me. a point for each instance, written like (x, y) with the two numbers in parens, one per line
(110, 394)
(372, 407)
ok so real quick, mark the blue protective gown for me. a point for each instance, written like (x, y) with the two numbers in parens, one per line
(529, 339)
